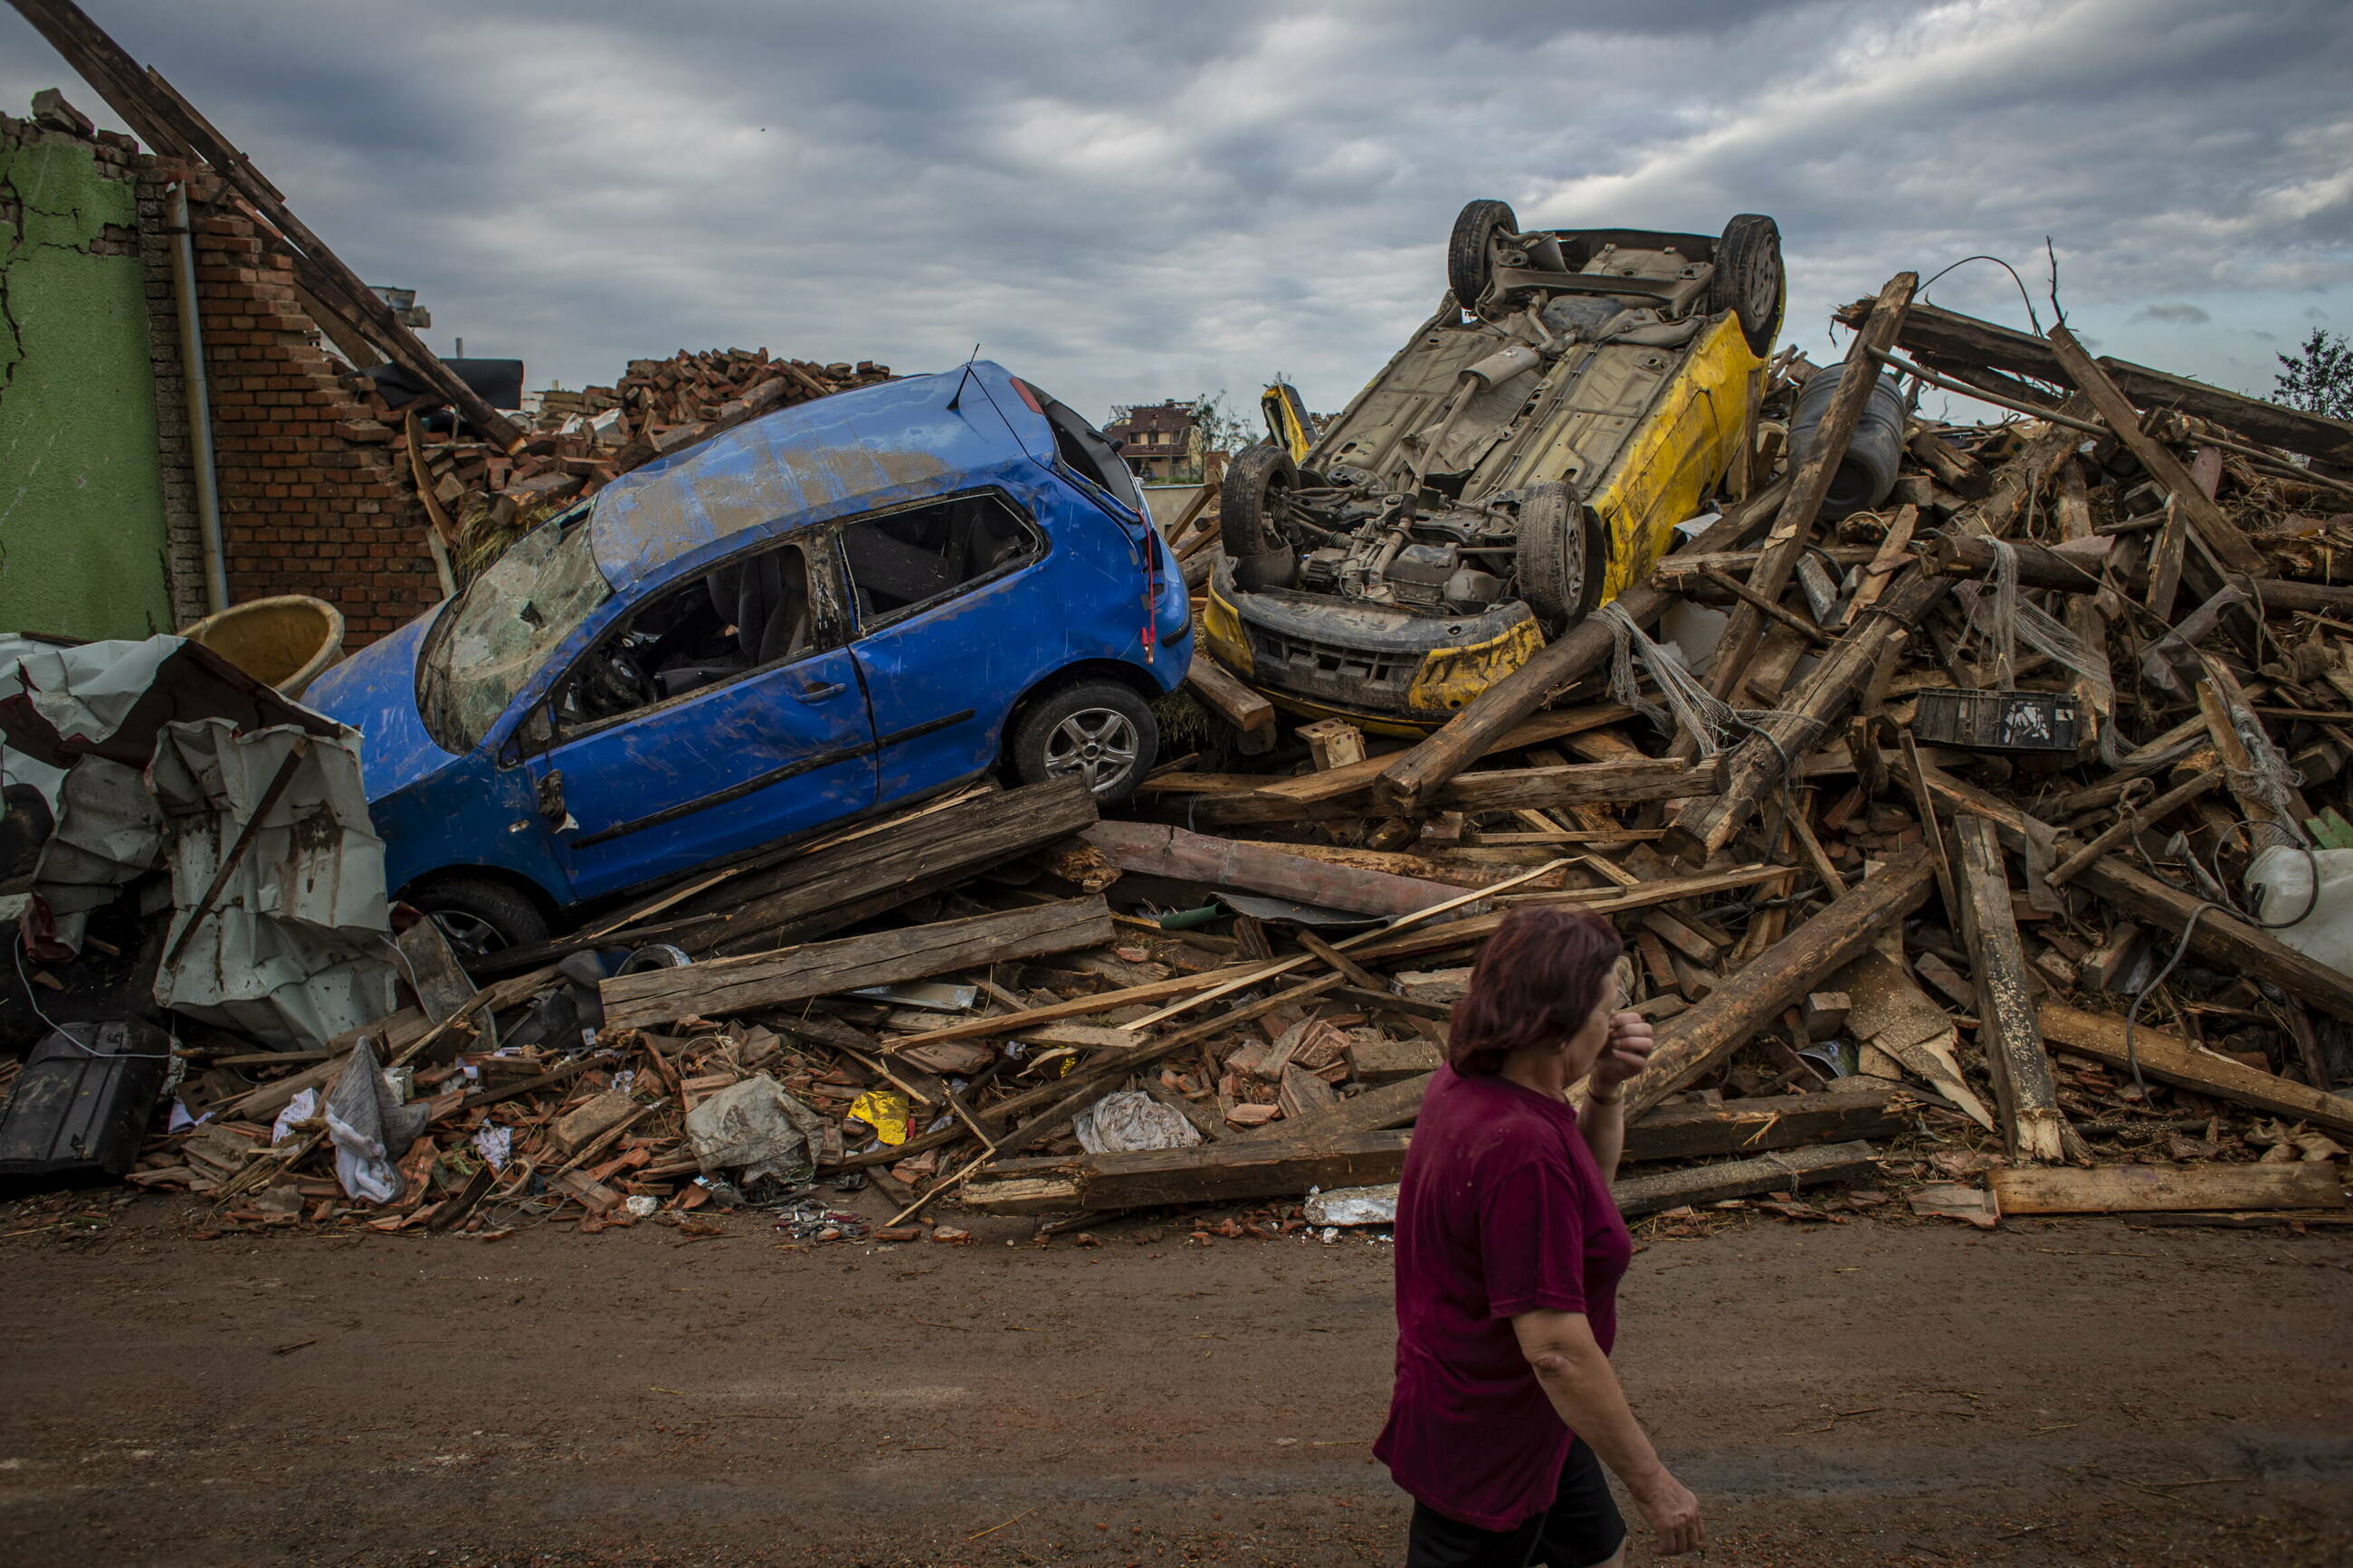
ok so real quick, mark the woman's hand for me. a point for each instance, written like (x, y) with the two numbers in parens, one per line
(1671, 1511)
(1624, 1056)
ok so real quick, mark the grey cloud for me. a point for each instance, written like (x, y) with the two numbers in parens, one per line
(1128, 203)
(2184, 314)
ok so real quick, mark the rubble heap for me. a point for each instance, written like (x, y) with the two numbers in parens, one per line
(1985, 845)
(480, 496)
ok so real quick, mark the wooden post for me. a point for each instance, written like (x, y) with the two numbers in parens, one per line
(2230, 547)
(2033, 1127)
(1811, 485)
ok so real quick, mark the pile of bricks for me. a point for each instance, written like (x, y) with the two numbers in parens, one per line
(481, 498)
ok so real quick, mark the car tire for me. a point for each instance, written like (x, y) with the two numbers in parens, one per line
(1749, 279)
(1096, 730)
(481, 915)
(1560, 557)
(1258, 481)
(1469, 251)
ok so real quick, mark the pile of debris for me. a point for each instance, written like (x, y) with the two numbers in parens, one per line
(1986, 844)
(480, 496)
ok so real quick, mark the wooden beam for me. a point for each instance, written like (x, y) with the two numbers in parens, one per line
(1957, 339)
(2230, 547)
(2025, 1097)
(1490, 789)
(2158, 1189)
(1410, 782)
(1222, 693)
(1791, 1173)
(2173, 1059)
(1245, 1168)
(2039, 566)
(816, 969)
(1156, 849)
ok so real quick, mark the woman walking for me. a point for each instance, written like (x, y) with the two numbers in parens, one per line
(1509, 1251)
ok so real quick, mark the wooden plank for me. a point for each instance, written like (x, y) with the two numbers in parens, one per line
(1793, 1172)
(1251, 715)
(1229, 1171)
(2231, 546)
(836, 885)
(1409, 782)
(1333, 783)
(1575, 784)
(2160, 1189)
(2175, 1060)
(817, 969)
(1771, 1121)
(1160, 850)
(1391, 1105)
(2025, 1097)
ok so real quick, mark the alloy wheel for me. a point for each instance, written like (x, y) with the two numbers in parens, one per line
(1097, 744)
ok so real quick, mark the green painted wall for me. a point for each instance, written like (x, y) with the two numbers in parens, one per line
(81, 488)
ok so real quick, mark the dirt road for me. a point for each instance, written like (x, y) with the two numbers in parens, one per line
(1872, 1392)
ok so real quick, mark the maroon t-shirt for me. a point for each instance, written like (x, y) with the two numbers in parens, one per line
(1501, 1210)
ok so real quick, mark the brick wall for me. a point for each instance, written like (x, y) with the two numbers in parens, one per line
(312, 499)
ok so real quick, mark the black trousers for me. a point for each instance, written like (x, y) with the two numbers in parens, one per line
(1581, 1528)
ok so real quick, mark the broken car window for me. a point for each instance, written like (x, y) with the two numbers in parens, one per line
(907, 560)
(743, 616)
(502, 629)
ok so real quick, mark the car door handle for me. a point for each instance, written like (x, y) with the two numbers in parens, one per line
(818, 693)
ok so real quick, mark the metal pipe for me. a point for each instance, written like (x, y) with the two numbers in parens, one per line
(197, 393)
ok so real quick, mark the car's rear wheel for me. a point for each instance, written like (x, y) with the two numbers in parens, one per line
(1258, 486)
(1471, 250)
(481, 915)
(1749, 279)
(1096, 731)
(1561, 560)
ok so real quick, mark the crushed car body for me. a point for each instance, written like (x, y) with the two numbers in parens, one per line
(1523, 459)
(834, 608)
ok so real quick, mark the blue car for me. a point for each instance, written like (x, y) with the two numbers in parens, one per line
(827, 612)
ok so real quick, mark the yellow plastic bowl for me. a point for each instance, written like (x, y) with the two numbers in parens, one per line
(284, 641)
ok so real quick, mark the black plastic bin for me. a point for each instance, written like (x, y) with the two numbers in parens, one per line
(82, 1102)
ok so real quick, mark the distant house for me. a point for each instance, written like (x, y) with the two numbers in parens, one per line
(1159, 440)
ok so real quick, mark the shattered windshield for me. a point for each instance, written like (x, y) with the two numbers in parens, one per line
(502, 629)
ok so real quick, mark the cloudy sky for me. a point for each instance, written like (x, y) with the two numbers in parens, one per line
(1128, 202)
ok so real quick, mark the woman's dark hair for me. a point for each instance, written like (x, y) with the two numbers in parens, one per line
(1537, 982)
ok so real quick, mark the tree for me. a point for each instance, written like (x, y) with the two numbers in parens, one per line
(1222, 429)
(2319, 380)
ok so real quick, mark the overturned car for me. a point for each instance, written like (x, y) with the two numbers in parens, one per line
(1523, 459)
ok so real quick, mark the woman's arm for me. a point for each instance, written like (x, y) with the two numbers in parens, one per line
(1602, 1123)
(1622, 1060)
(1583, 1387)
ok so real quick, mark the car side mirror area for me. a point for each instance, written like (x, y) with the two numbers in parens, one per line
(551, 799)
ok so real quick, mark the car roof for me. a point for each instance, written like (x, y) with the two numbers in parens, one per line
(851, 452)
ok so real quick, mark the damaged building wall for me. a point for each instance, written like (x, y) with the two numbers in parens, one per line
(311, 499)
(83, 532)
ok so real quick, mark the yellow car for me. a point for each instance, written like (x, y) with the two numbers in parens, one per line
(1523, 459)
